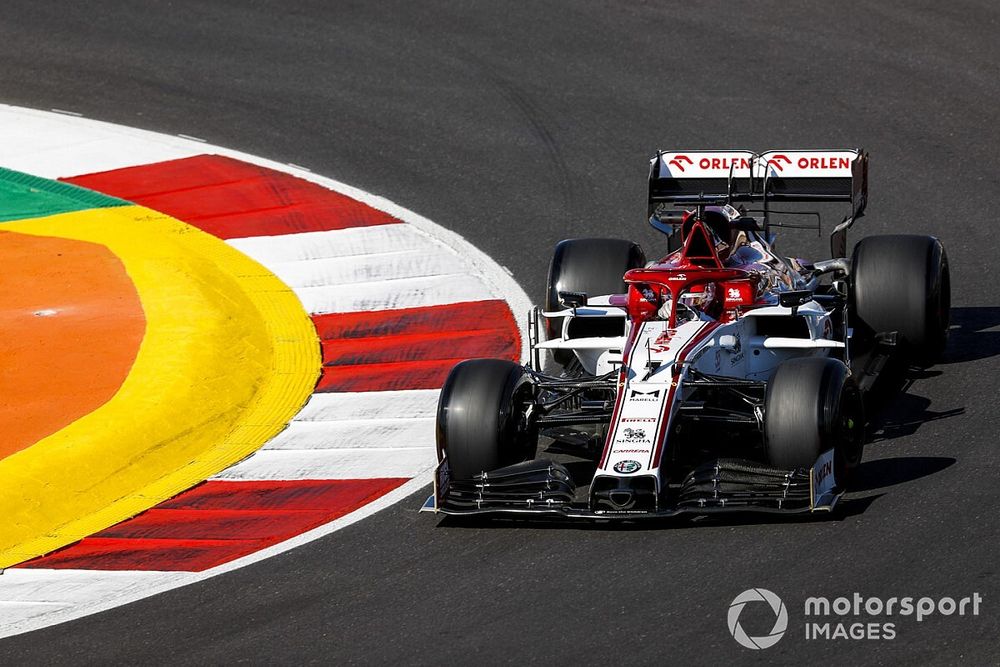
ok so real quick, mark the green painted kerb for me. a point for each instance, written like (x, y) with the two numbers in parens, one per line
(26, 196)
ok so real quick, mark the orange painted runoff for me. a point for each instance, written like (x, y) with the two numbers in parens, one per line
(70, 328)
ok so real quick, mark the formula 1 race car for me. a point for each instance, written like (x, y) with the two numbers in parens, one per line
(723, 376)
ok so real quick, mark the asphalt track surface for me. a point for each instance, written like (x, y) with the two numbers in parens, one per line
(517, 126)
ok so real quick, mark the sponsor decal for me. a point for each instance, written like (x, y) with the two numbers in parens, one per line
(823, 479)
(824, 163)
(631, 451)
(733, 293)
(776, 161)
(634, 434)
(717, 162)
(779, 162)
(679, 276)
(640, 396)
(627, 467)
(645, 420)
(725, 163)
(678, 160)
(662, 342)
(773, 605)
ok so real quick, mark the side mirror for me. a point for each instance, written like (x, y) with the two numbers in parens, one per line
(795, 299)
(573, 300)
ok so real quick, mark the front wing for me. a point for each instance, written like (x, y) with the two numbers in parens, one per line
(544, 487)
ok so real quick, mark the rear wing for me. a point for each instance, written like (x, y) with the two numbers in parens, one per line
(731, 177)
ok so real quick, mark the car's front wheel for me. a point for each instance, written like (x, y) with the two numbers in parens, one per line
(812, 405)
(481, 419)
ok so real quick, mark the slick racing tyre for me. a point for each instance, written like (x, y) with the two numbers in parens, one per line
(901, 283)
(812, 405)
(481, 424)
(593, 266)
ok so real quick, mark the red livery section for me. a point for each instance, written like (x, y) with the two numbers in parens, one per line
(413, 348)
(216, 522)
(233, 199)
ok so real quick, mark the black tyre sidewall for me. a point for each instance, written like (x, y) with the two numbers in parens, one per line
(479, 423)
(902, 283)
(804, 404)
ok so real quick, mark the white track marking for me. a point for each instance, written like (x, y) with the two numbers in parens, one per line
(356, 434)
(36, 598)
(370, 405)
(53, 145)
(377, 268)
(333, 463)
(352, 242)
(392, 294)
(424, 260)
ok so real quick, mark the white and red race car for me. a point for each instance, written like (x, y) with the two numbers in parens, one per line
(723, 376)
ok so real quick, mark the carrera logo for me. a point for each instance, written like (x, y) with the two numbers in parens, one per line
(645, 420)
(631, 451)
(627, 467)
(677, 159)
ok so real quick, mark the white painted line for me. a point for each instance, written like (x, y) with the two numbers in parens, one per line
(352, 242)
(370, 404)
(357, 434)
(279, 464)
(392, 294)
(424, 260)
(38, 598)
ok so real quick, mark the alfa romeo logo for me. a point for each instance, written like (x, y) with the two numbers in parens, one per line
(627, 467)
(777, 607)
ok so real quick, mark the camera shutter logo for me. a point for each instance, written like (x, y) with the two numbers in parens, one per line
(777, 607)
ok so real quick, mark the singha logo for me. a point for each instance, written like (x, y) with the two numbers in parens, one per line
(634, 434)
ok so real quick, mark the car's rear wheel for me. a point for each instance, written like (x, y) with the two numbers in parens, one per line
(594, 266)
(902, 283)
(813, 405)
(481, 420)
